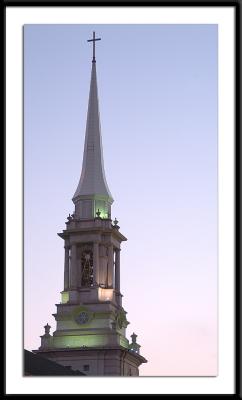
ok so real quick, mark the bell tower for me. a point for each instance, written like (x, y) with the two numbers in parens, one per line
(91, 323)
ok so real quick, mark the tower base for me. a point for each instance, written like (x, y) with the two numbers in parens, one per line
(116, 361)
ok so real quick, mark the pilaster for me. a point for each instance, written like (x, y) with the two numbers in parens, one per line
(110, 266)
(73, 274)
(96, 263)
(66, 268)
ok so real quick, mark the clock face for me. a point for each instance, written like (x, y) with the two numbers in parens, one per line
(82, 318)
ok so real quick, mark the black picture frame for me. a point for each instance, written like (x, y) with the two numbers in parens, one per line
(238, 244)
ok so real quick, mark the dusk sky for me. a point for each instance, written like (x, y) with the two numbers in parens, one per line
(158, 106)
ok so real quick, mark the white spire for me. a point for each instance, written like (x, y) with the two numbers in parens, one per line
(93, 181)
(92, 197)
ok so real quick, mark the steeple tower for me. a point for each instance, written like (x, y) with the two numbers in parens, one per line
(91, 323)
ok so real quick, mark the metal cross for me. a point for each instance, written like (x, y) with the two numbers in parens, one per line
(93, 40)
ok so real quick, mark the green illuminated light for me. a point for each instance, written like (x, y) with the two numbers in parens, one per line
(64, 297)
(101, 213)
(101, 208)
(79, 341)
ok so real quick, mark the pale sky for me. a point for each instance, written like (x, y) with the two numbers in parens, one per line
(158, 106)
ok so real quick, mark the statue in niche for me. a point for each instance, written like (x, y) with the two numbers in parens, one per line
(87, 268)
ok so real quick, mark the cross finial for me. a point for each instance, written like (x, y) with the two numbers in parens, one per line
(93, 40)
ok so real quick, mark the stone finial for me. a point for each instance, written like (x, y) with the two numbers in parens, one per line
(134, 346)
(69, 218)
(116, 223)
(47, 329)
(133, 337)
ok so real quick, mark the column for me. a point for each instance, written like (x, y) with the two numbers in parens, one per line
(66, 268)
(117, 270)
(102, 265)
(110, 266)
(73, 275)
(96, 263)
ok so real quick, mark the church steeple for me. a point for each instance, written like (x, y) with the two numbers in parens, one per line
(92, 193)
(91, 322)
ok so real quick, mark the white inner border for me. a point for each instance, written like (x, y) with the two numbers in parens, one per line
(16, 17)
